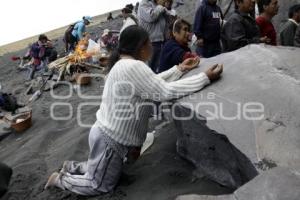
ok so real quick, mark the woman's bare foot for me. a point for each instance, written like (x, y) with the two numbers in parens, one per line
(52, 181)
(64, 168)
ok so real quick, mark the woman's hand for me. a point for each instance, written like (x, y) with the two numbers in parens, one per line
(214, 72)
(189, 64)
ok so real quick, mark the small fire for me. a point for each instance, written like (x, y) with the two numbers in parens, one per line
(80, 54)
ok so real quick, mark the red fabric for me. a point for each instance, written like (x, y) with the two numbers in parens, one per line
(36, 61)
(14, 58)
(266, 29)
(189, 55)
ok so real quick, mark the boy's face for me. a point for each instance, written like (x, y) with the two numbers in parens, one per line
(272, 8)
(44, 41)
(86, 22)
(183, 36)
(168, 4)
(246, 6)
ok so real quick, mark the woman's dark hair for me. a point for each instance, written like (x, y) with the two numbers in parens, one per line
(261, 4)
(236, 7)
(132, 39)
(293, 10)
(126, 10)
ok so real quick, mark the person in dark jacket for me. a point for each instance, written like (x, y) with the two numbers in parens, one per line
(267, 10)
(288, 30)
(207, 28)
(176, 49)
(297, 37)
(241, 29)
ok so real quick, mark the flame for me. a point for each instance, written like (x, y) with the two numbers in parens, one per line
(80, 54)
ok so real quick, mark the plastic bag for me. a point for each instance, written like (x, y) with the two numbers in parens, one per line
(94, 49)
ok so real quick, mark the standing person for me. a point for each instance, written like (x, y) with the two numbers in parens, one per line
(109, 17)
(119, 132)
(152, 17)
(79, 29)
(241, 28)
(267, 10)
(170, 18)
(198, 3)
(288, 30)
(297, 37)
(207, 28)
(176, 49)
(130, 6)
(136, 7)
(129, 19)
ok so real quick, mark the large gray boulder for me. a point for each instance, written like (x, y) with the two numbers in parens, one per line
(249, 117)
(276, 184)
(212, 153)
(256, 104)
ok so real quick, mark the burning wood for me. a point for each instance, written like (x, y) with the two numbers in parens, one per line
(76, 62)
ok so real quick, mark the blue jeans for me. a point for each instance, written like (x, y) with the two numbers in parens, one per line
(155, 59)
(209, 50)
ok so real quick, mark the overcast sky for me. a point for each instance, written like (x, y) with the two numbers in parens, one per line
(24, 18)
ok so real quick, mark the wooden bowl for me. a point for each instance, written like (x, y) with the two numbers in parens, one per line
(22, 122)
(83, 78)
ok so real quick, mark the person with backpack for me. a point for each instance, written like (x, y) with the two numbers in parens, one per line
(75, 32)
(207, 28)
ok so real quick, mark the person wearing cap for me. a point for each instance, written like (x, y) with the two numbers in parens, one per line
(79, 28)
(108, 40)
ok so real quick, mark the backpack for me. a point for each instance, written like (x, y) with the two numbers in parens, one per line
(8, 102)
(68, 33)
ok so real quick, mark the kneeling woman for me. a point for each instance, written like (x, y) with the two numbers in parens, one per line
(122, 119)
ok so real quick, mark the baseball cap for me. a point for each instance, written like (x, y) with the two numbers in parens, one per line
(88, 18)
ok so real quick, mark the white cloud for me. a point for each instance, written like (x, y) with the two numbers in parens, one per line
(24, 18)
